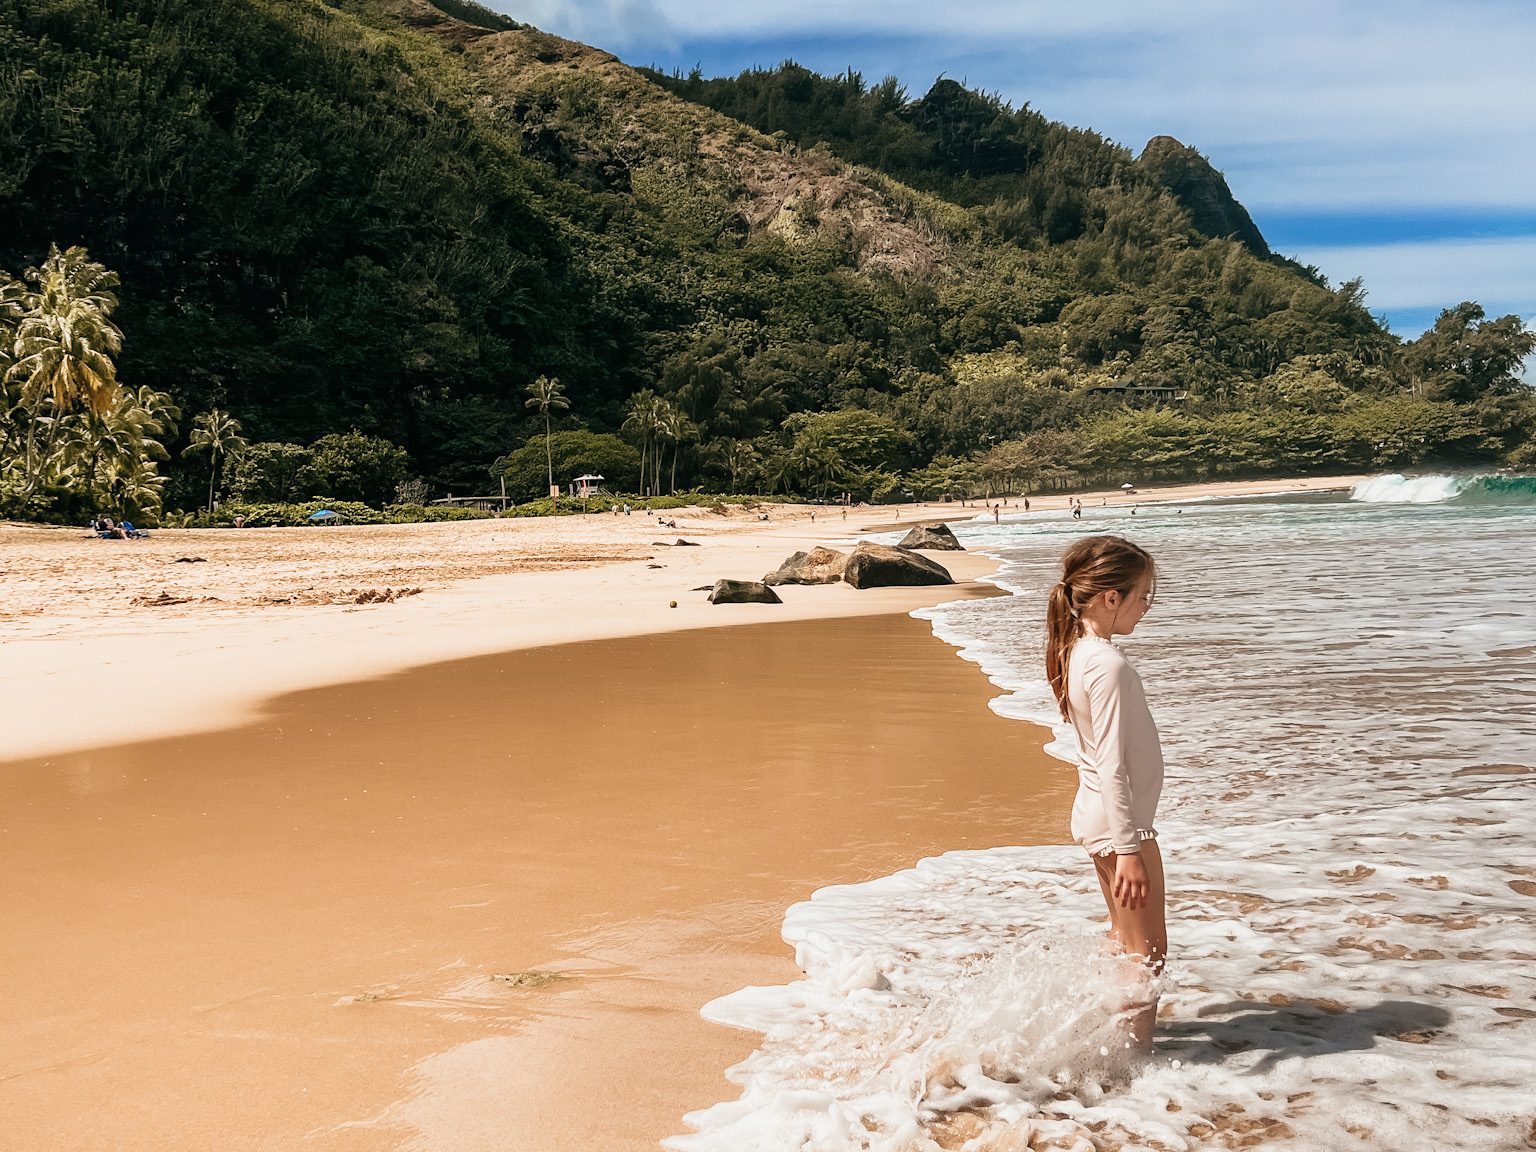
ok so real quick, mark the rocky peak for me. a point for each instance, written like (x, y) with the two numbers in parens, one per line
(1201, 191)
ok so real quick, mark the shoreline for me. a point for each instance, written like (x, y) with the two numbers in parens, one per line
(266, 612)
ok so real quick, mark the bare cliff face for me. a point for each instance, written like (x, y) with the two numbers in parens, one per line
(596, 119)
(1201, 191)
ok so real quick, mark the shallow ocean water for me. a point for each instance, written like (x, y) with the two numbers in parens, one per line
(1346, 691)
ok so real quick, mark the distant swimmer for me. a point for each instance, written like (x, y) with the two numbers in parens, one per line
(1106, 587)
(1077, 509)
(997, 513)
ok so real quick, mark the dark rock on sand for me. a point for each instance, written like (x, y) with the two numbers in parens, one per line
(938, 538)
(881, 566)
(743, 592)
(818, 566)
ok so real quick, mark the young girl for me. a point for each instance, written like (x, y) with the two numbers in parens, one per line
(1106, 587)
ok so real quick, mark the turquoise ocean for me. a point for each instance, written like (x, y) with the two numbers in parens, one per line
(1345, 684)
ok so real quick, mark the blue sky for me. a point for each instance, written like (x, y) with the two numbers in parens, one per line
(1396, 142)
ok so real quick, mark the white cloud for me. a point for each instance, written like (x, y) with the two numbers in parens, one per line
(616, 25)
(1435, 274)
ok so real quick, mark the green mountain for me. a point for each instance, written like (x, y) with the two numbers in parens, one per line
(392, 215)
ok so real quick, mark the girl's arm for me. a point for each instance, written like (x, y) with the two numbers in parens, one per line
(1107, 683)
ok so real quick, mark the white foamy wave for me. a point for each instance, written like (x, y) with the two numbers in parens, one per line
(906, 1025)
(1400, 489)
(1347, 696)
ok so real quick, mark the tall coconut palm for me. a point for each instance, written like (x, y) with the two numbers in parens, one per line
(63, 347)
(546, 395)
(673, 425)
(642, 415)
(218, 434)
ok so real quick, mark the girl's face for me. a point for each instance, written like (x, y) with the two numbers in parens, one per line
(1130, 607)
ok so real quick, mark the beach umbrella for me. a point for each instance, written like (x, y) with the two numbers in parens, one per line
(323, 515)
(1128, 487)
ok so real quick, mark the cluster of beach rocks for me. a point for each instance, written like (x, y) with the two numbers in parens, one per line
(867, 566)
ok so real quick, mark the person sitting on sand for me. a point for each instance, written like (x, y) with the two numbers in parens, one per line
(1107, 585)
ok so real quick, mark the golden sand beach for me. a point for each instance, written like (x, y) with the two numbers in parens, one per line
(455, 871)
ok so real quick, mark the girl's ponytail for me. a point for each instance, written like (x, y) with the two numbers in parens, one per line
(1060, 635)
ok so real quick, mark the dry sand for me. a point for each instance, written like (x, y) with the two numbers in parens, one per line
(274, 879)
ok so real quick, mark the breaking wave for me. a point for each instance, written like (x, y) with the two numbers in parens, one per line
(1487, 489)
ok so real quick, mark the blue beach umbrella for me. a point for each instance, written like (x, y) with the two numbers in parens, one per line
(322, 516)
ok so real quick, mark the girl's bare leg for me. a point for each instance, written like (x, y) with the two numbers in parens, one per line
(1139, 932)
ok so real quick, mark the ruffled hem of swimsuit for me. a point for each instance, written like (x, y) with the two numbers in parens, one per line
(1141, 834)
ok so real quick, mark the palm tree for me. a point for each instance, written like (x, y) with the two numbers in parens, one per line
(136, 490)
(674, 425)
(119, 441)
(217, 433)
(63, 348)
(641, 420)
(735, 456)
(814, 458)
(545, 394)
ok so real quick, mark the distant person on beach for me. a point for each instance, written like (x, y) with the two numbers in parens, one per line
(997, 513)
(1107, 584)
(1026, 503)
(1077, 509)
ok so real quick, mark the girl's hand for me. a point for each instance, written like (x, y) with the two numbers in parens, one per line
(1131, 884)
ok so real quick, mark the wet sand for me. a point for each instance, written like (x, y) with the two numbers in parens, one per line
(288, 935)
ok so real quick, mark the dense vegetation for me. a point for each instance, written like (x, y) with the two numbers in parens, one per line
(362, 231)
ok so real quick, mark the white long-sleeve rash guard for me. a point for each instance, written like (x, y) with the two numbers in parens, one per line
(1120, 758)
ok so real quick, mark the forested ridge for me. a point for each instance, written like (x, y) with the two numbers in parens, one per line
(331, 229)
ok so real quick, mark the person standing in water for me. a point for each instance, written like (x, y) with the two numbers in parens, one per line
(1107, 584)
